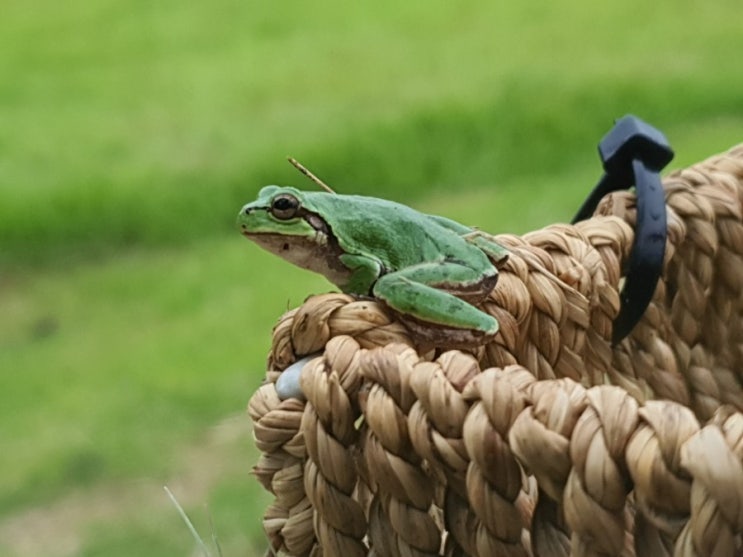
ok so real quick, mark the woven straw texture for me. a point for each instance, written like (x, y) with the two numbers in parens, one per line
(547, 441)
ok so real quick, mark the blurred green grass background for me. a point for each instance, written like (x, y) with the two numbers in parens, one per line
(134, 322)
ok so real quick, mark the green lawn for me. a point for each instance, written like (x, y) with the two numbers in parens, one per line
(134, 322)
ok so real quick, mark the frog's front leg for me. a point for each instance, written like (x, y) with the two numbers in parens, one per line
(364, 272)
(423, 296)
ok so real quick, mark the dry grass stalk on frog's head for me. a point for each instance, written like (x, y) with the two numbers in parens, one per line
(296, 164)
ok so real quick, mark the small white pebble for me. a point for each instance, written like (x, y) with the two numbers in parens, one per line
(288, 384)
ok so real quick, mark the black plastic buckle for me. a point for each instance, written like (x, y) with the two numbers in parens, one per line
(634, 152)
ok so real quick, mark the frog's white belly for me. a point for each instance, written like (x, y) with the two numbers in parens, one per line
(311, 253)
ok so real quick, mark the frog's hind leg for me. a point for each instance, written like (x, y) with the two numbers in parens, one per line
(426, 294)
(497, 253)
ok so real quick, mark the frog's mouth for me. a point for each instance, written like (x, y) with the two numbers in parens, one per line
(318, 252)
(295, 249)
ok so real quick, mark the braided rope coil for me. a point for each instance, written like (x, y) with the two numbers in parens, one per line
(547, 441)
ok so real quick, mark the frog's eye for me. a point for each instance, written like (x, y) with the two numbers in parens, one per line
(284, 206)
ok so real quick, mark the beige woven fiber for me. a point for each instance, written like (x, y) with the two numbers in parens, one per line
(547, 441)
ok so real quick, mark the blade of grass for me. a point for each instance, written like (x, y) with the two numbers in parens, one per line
(215, 540)
(188, 522)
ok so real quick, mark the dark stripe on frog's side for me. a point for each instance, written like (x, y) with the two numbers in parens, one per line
(471, 293)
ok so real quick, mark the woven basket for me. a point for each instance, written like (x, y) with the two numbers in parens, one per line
(547, 441)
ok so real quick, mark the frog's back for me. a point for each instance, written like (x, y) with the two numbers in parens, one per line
(394, 233)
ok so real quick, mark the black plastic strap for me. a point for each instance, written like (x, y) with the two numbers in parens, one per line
(634, 152)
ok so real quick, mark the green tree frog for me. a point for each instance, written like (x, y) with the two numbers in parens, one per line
(428, 270)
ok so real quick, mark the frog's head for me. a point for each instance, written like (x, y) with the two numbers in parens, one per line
(280, 222)
(277, 211)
